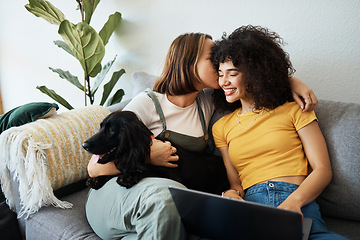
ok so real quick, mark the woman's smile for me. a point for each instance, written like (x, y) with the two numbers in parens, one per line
(229, 91)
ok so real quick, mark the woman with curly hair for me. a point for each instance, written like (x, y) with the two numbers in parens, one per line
(274, 153)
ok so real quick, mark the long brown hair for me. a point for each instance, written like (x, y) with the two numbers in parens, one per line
(179, 73)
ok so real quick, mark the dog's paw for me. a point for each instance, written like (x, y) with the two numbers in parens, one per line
(97, 182)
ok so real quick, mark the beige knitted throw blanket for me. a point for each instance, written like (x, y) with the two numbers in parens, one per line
(46, 155)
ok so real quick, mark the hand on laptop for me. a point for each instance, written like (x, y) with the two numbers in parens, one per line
(232, 193)
(291, 206)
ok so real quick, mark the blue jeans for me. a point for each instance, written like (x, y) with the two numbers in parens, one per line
(274, 193)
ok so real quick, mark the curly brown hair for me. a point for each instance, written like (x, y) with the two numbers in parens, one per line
(266, 67)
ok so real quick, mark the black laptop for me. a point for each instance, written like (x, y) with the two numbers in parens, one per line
(214, 217)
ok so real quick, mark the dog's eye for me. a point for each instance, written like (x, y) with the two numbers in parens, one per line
(110, 131)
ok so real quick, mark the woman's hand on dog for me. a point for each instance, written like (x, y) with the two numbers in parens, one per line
(162, 154)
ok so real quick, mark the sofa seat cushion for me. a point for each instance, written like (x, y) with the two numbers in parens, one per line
(349, 229)
(56, 223)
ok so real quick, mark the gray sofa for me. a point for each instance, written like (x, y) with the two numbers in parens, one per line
(339, 203)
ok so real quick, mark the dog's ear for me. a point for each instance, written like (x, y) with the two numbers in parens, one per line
(134, 151)
(134, 146)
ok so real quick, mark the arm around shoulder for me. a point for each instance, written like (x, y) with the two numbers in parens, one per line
(303, 95)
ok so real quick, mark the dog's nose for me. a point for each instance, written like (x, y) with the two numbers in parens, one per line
(86, 145)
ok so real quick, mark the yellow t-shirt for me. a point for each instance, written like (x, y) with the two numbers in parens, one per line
(265, 144)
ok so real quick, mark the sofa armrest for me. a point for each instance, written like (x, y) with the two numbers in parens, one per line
(46, 155)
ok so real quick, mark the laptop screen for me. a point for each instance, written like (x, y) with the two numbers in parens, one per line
(212, 216)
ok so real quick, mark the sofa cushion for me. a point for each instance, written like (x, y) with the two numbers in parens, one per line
(347, 228)
(55, 223)
(26, 113)
(340, 124)
(46, 155)
(142, 80)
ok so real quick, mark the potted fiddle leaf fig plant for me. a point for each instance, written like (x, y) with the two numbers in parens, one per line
(85, 44)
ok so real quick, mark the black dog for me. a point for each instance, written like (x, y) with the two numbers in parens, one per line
(126, 140)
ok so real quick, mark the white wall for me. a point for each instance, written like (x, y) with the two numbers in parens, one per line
(323, 40)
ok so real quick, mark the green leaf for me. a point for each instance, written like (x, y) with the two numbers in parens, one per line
(86, 45)
(101, 76)
(63, 45)
(109, 27)
(68, 76)
(55, 96)
(45, 10)
(117, 97)
(110, 85)
(89, 8)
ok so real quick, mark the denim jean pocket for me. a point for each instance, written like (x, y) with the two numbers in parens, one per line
(280, 196)
(270, 193)
(257, 193)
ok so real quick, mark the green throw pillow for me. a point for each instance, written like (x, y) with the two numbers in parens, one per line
(25, 114)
